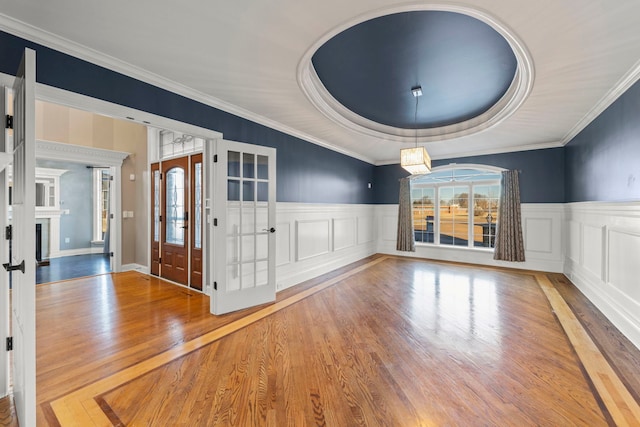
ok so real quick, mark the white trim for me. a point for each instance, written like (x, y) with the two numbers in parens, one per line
(53, 41)
(79, 154)
(628, 80)
(140, 269)
(74, 252)
(518, 91)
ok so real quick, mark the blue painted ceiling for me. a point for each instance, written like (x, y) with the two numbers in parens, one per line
(463, 65)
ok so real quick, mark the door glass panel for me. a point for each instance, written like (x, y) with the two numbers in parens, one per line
(175, 206)
(263, 192)
(248, 220)
(233, 164)
(248, 275)
(233, 190)
(262, 246)
(233, 277)
(248, 165)
(248, 191)
(262, 273)
(197, 215)
(262, 219)
(156, 206)
(263, 167)
(248, 248)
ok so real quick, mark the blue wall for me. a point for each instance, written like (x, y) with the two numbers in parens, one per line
(306, 172)
(602, 162)
(541, 177)
(76, 195)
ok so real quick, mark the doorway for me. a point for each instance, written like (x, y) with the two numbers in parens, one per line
(176, 220)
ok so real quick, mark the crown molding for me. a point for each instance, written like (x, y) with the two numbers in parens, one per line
(61, 44)
(484, 152)
(79, 154)
(627, 80)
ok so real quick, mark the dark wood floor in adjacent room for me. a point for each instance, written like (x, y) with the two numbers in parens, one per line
(386, 341)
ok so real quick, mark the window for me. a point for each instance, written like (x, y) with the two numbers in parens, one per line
(456, 206)
(101, 180)
(174, 144)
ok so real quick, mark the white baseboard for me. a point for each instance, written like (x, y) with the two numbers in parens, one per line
(135, 267)
(73, 252)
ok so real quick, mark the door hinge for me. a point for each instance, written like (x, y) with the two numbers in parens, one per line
(160, 175)
(159, 218)
(159, 260)
(9, 343)
(215, 158)
(9, 122)
(110, 177)
(215, 286)
(111, 254)
(215, 222)
(8, 232)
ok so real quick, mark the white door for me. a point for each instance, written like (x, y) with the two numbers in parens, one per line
(23, 302)
(243, 222)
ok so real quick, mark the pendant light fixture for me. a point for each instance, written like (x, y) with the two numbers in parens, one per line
(415, 160)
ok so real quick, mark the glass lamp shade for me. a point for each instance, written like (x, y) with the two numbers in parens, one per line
(415, 160)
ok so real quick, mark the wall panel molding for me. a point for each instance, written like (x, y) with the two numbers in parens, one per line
(314, 239)
(542, 231)
(602, 260)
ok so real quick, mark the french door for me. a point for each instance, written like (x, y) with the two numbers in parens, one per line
(244, 189)
(176, 220)
(21, 263)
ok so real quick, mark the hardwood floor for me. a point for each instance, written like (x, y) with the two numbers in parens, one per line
(72, 267)
(386, 341)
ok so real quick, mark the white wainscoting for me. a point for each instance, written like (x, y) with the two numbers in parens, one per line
(542, 232)
(603, 259)
(313, 239)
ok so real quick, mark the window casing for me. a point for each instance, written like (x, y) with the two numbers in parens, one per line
(456, 206)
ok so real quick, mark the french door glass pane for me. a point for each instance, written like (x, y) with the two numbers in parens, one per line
(175, 206)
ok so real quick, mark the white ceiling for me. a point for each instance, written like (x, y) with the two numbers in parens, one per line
(243, 56)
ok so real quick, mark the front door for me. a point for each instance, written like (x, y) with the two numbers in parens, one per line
(244, 188)
(23, 261)
(175, 220)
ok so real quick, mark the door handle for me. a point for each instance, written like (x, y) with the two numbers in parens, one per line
(7, 266)
(271, 230)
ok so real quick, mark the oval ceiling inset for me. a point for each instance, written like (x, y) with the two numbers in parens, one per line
(473, 74)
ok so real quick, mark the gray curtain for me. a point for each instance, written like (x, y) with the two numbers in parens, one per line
(405, 219)
(509, 242)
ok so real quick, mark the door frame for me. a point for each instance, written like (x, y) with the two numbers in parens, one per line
(152, 121)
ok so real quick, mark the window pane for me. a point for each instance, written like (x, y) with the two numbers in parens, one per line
(156, 206)
(423, 214)
(485, 214)
(454, 216)
(175, 206)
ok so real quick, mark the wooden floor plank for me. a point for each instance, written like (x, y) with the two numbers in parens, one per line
(389, 341)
